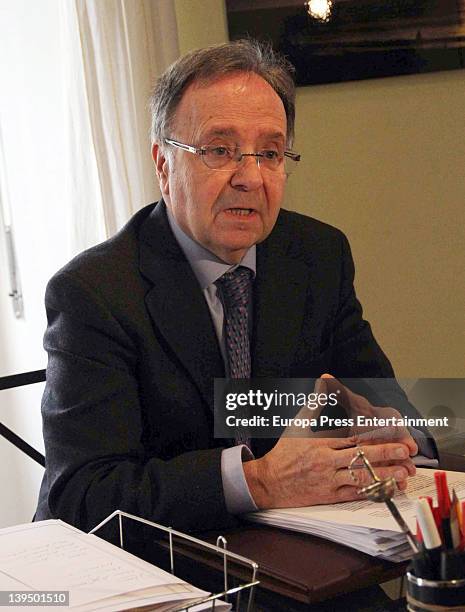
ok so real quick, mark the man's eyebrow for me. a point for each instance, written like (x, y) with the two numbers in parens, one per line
(232, 132)
(220, 132)
(275, 136)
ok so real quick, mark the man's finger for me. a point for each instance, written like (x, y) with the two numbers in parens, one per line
(408, 464)
(347, 493)
(363, 478)
(351, 493)
(409, 441)
(376, 453)
(399, 471)
(387, 434)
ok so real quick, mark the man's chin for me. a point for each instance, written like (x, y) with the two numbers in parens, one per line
(232, 253)
(238, 240)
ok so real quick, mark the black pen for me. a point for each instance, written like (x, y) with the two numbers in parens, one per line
(454, 521)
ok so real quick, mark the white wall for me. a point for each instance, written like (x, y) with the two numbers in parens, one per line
(32, 122)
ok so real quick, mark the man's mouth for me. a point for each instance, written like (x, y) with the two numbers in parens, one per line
(241, 212)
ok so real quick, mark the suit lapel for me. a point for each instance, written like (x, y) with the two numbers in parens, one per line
(176, 303)
(280, 294)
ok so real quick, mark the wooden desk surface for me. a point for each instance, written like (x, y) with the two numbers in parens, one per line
(303, 567)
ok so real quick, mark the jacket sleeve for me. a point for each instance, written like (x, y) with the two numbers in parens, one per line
(93, 428)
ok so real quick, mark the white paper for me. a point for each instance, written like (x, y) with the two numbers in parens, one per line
(53, 556)
(361, 524)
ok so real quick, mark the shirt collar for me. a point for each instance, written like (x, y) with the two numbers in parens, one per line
(206, 266)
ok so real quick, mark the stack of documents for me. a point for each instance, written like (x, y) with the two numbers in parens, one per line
(53, 556)
(364, 525)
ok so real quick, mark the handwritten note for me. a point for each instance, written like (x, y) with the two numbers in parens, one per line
(51, 555)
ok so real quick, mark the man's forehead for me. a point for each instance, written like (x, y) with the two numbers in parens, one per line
(217, 105)
(238, 80)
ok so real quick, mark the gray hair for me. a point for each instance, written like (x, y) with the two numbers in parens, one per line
(211, 63)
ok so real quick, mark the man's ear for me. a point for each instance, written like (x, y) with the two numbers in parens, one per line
(161, 168)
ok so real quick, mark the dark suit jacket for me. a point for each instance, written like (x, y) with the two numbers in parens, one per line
(128, 405)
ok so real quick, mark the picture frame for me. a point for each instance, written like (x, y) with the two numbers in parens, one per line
(331, 41)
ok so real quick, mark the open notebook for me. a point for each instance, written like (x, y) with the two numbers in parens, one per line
(364, 525)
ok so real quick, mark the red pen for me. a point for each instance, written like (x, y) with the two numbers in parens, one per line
(444, 508)
(443, 494)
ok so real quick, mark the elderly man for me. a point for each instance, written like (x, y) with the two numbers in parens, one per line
(139, 326)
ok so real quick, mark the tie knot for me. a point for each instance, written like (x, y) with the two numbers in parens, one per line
(235, 285)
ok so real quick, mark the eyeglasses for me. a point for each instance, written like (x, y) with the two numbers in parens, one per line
(222, 157)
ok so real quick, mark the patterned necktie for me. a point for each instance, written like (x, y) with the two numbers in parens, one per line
(236, 287)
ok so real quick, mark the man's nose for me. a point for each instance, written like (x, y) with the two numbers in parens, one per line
(248, 175)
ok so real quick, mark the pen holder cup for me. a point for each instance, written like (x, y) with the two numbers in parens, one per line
(434, 595)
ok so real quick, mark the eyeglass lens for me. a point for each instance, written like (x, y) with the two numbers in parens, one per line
(223, 158)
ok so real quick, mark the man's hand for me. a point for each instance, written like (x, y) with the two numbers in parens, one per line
(306, 472)
(310, 469)
(356, 405)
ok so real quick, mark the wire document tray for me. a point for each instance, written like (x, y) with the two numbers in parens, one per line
(220, 549)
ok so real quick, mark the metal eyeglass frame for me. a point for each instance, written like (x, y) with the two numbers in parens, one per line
(295, 157)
